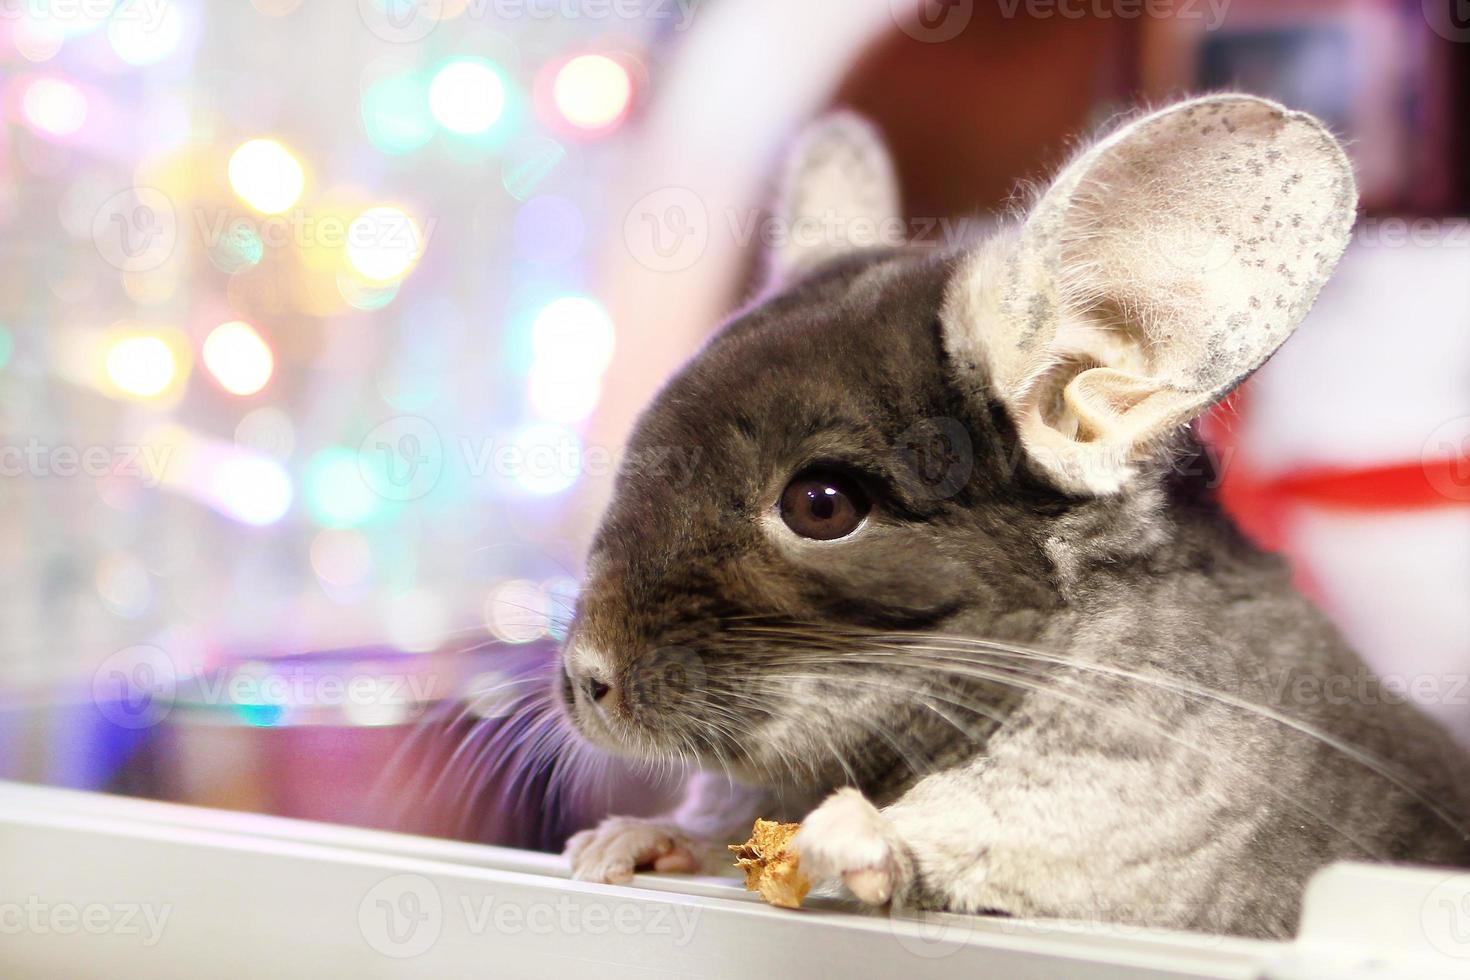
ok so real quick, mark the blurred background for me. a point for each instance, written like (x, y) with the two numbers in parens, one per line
(322, 325)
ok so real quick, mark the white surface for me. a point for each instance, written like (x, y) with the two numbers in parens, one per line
(175, 891)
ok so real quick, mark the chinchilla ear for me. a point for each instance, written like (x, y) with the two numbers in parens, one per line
(838, 195)
(1165, 264)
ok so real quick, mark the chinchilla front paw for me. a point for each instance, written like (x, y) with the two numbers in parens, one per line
(619, 846)
(846, 839)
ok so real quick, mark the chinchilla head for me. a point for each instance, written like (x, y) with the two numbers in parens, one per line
(899, 445)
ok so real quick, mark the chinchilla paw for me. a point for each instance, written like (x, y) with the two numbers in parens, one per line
(619, 846)
(847, 839)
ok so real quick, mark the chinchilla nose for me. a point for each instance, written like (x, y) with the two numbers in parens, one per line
(595, 688)
(587, 673)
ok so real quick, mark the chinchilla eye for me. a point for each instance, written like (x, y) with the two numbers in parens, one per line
(823, 505)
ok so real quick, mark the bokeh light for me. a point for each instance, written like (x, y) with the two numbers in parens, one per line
(336, 493)
(143, 33)
(268, 431)
(242, 485)
(37, 40)
(141, 366)
(517, 611)
(467, 96)
(251, 489)
(54, 106)
(575, 333)
(238, 247)
(592, 92)
(238, 358)
(561, 397)
(266, 176)
(384, 244)
(341, 557)
(395, 113)
(548, 458)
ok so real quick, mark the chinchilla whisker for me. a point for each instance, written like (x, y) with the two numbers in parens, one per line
(877, 724)
(998, 677)
(1354, 752)
(940, 643)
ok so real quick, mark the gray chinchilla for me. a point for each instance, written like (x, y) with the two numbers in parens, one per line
(949, 586)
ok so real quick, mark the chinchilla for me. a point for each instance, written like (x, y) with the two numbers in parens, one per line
(949, 586)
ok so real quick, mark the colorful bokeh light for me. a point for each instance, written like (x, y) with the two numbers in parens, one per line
(251, 489)
(517, 611)
(548, 458)
(395, 113)
(238, 358)
(592, 92)
(143, 33)
(54, 106)
(141, 366)
(467, 96)
(336, 493)
(575, 333)
(561, 397)
(266, 176)
(384, 244)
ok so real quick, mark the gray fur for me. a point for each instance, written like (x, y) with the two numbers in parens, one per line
(1121, 777)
